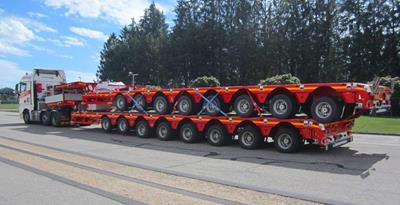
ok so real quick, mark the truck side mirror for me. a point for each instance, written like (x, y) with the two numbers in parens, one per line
(16, 89)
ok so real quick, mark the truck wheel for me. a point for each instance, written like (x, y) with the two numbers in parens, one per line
(26, 117)
(283, 106)
(106, 124)
(139, 98)
(164, 131)
(326, 109)
(217, 135)
(188, 133)
(56, 119)
(161, 105)
(120, 103)
(142, 129)
(250, 138)
(185, 105)
(123, 125)
(210, 109)
(45, 118)
(287, 140)
(243, 106)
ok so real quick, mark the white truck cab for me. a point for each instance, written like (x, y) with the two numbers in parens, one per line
(32, 90)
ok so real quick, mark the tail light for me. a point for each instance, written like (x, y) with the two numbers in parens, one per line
(39, 87)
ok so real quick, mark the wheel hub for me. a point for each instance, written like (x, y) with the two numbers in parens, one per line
(324, 110)
(184, 106)
(141, 130)
(284, 141)
(215, 135)
(163, 132)
(187, 133)
(243, 106)
(248, 138)
(280, 106)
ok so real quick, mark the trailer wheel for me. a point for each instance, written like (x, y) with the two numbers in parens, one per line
(217, 135)
(210, 109)
(106, 124)
(243, 106)
(326, 109)
(26, 117)
(164, 131)
(283, 106)
(287, 140)
(123, 125)
(161, 105)
(142, 129)
(139, 98)
(185, 105)
(56, 119)
(120, 103)
(188, 133)
(250, 138)
(45, 118)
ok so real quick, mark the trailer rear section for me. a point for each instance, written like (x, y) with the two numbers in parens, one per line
(288, 135)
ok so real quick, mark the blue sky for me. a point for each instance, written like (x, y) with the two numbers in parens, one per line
(65, 34)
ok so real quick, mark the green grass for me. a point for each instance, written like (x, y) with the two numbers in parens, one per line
(8, 106)
(378, 125)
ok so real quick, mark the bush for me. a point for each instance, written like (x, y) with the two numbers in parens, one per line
(395, 99)
(280, 79)
(205, 81)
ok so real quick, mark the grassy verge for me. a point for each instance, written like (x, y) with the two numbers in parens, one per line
(378, 125)
(9, 107)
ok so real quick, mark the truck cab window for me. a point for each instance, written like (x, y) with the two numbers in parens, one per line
(22, 87)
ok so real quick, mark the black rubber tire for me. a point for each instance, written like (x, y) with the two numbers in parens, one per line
(332, 106)
(142, 129)
(209, 110)
(185, 105)
(123, 125)
(217, 135)
(288, 106)
(56, 118)
(142, 101)
(161, 105)
(45, 118)
(248, 110)
(287, 140)
(120, 103)
(250, 138)
(164, 131)
(188, 133)
(106, 124)
(26, 117)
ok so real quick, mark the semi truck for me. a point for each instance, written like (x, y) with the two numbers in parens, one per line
(289, 115)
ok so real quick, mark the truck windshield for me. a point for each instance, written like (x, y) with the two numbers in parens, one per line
(22, 87)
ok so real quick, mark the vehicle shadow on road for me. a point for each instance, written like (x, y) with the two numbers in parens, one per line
(341, 160)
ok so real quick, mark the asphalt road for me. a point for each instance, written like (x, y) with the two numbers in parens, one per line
(83, 165)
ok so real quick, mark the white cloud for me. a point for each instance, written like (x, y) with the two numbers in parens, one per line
(11, 73)
(10, 49)
(37, 15)
(73, 75)
(98, 35)
(67, 41)
(121, 11)
(36, 25)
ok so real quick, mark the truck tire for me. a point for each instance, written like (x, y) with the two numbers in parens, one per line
(120, 103)
(185, 105)
(243, 106)
(250, 138)
(164, 131)
(139, 98)
(142, 129)
(123, 125)
(161, 105)
(56, 118)
(283, 106)
(106, 124)
(210, 109)
(26, 116)
(188, 133)
(217, 135)
(326, 109)
(45, 118)
(287, 140)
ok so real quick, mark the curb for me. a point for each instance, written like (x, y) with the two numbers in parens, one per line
(375, 133)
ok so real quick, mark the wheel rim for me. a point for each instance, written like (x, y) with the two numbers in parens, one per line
(122, 125)
(44, 118)
(120, 103)
(187, 133)
(26, 117)
(243, 106)
(323, 110)
(140, 100)
(280, 106)
(141, 130)
(285, 141)
(248, 138)
(215, 136)
(162, 131)
(211, 108)
(105, 124)
(184, 105)
(160, 105)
